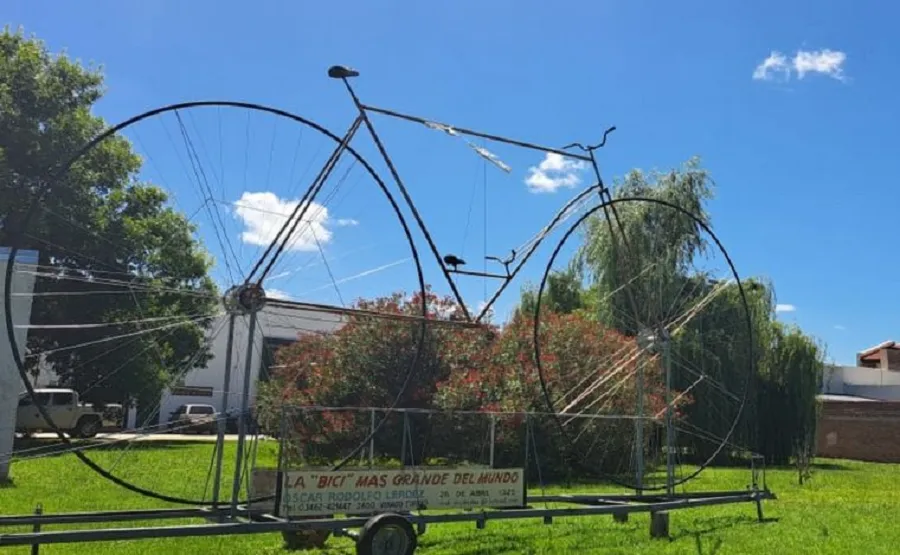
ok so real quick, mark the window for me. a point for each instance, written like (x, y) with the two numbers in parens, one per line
(25, 401)
(42, 398)
(270, 347)
(202, 409)
(63, 399)
(180, 410)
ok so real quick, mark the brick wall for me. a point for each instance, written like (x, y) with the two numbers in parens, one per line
(865, 431)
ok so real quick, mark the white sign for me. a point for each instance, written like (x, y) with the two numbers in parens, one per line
(322, 492)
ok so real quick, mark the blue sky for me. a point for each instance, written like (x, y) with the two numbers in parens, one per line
(802, 155)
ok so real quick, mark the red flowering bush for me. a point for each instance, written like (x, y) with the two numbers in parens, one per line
(368, 362)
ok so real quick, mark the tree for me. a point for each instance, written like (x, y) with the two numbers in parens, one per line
(790, 380)
(99, 228)
(637, 268)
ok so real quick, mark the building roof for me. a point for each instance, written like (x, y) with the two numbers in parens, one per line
(865, 353)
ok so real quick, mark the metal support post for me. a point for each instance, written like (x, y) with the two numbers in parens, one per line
(403, 441)
(670, 428)
(242, 418)
(223, 412)
(38, 511)
(493, 436)
(372, 438)
(639, 429)
(279, 475)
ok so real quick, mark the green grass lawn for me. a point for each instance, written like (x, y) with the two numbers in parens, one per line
(847, 507)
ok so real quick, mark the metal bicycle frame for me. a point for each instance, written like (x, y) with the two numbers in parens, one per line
(514, 265)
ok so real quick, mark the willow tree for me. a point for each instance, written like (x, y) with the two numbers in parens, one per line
(790, 379)
(638, 254)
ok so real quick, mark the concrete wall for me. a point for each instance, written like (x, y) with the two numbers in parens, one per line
(860, 430)
(276, 323)
(873, 383)
(10, 382)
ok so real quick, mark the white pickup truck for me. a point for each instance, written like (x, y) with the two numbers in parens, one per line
(68, 414)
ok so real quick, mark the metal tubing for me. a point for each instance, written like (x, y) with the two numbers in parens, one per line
(299, 212)
(493, 436)
(199, 530)
(36, 528)
(403, 440)
(670, 429)
(279, 477)
(490, 137)
(281, 303)
(478, 274)
(409, 202)
(105, 516)
(639, 429)
(372, 439)
(223, 421)
(242, 421)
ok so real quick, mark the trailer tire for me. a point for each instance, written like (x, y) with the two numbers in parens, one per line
(387, 534)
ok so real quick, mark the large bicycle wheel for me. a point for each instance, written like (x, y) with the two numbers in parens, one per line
(650, 370)
(140, 237)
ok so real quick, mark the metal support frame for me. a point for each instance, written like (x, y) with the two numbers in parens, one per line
(242, 421)
(586, 505)
(226, 393)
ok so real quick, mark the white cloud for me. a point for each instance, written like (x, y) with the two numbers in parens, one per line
(778, 66)
(345, 222)
(263, 215)
(827, 62)
(554, 172)
(840, 327)
(785, 308)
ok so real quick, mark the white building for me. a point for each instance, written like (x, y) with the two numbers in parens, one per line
(276, 326)
(10, 381)
(857, 381)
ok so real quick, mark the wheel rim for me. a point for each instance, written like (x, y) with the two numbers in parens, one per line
(390, 540)
(721, 441)
(149, 489)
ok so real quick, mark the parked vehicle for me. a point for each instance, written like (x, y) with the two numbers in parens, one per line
(194, 418)
(64, 408)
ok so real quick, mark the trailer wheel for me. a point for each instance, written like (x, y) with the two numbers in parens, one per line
(387, 534)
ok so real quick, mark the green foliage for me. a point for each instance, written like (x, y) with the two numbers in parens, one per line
(643, 248)
(97, 222)
(636, 268)
(493, 370)
(789, 381)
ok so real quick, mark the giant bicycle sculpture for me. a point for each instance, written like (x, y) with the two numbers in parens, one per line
(577, 404)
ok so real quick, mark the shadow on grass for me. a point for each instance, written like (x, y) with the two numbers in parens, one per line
(717, 524)
(7, 483)
(814, 466)
(25, 449)
(830, 466)
(493, 541)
